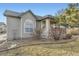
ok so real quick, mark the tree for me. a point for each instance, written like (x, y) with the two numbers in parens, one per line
(69, 16)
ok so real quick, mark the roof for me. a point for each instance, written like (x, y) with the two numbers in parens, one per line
(12, 13)
(17, 14)
(48, 16)
(39, 17)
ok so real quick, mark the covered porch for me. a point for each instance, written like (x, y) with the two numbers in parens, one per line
(50, 29)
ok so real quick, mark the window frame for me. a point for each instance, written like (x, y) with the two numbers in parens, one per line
(29, 25)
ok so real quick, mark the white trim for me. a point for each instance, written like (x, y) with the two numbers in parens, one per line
(7, 28)
(30, 21)
(21, 28)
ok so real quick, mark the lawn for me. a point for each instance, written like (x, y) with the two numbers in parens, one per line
(69, 48)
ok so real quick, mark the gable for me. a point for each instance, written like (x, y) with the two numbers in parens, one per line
(28, 15)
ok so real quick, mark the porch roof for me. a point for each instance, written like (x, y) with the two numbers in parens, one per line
(48, 17)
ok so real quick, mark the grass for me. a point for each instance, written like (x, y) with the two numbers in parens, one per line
(70, 48)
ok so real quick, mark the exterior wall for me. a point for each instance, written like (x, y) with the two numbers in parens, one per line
(25, 17)
(45, 31)
(1, 29)
(38, 25)
(43, 24)
(13, 28)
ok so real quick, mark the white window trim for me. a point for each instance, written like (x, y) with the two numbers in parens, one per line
(30, 21)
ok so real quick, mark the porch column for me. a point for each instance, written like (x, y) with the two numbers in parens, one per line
(47, 27)
(41, 24)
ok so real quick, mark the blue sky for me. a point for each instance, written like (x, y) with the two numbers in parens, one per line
(41, 9)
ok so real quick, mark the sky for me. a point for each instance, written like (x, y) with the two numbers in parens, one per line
(41, 9)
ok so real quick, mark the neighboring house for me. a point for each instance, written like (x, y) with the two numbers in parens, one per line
(25, 25)
(2, 27)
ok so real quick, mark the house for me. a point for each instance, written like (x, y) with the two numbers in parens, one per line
(26, 24)
(2, 27)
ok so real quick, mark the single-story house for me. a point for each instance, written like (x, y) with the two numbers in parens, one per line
(24, 25)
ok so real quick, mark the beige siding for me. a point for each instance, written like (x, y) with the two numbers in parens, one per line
(13, 26)
(24, 18)
(38, 25)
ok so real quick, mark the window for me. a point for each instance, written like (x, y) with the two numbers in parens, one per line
(28, 29)
(28, 26)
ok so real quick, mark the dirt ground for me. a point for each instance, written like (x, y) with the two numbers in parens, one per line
(4, 44)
